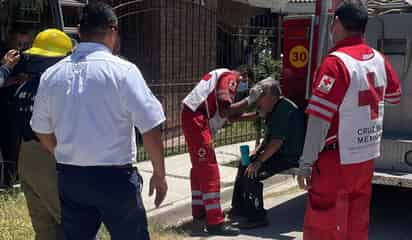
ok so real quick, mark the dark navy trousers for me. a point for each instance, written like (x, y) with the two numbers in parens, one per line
(90, 196)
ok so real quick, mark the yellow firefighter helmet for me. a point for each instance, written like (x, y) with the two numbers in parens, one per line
(51, 43)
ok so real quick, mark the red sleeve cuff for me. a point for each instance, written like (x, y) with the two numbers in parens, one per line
(323, 106)
(319, 113)
(393, 97)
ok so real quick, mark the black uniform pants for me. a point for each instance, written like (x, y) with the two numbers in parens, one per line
(9, 138)
(248, 193)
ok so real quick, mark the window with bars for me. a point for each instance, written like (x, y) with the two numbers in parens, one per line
(71, 11)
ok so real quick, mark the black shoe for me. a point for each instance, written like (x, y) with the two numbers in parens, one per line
(223, 229)
(250, 224)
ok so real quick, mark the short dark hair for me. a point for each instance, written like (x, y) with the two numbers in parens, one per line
(353, 14)
(246, 70)
(96, 18)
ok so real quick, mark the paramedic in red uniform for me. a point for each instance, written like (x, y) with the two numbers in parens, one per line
(205, 110)
(345, 129)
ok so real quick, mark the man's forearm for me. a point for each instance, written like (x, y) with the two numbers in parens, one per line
(234, 109)
(244, 117)
(152, 142)
(315, 137)
(48, 141)
(270, 149)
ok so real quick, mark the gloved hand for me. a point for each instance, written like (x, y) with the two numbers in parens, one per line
(254, 94)
(304, 175)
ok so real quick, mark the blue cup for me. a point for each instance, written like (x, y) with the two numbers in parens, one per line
(244, 152)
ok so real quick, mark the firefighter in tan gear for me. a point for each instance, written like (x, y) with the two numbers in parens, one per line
(344, 130)
(37, 168)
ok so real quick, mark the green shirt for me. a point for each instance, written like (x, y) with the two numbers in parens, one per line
(286, 122)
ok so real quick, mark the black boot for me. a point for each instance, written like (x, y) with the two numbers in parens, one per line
(223, 229)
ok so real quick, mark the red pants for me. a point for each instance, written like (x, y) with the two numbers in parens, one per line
(204, 175)
(338, 202)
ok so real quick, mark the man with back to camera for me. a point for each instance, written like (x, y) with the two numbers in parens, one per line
(348, 95)
(84, 112)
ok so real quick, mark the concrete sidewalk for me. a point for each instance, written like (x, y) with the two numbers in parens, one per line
(177, 206)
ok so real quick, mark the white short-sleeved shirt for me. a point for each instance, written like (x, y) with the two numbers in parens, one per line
(91, 101)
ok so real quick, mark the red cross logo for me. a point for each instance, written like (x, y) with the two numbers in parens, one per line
(201, 152)
(326, 84)
(328, 81)
(372, 96)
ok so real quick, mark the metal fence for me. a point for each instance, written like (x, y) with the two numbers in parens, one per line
(174, 43)
(174, 142)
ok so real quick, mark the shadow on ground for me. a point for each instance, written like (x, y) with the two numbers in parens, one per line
(391, 217)
(281, 222)
(391, 214)
(284, 218)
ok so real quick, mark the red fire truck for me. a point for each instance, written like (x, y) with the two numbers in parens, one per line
(306, 42)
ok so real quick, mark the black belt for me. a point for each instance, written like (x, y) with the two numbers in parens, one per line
(127, 166)
(331, 147)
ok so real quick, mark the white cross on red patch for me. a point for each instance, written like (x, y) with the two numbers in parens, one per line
(326, 84)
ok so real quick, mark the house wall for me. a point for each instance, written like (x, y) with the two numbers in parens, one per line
(237, 14)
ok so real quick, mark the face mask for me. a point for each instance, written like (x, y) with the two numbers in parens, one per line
(243, 86)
